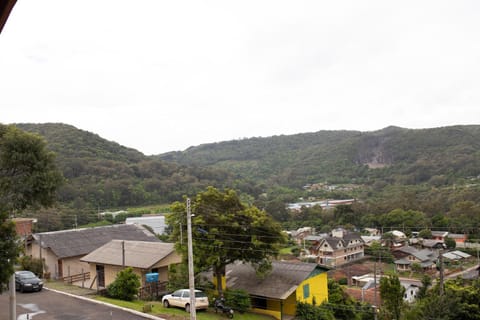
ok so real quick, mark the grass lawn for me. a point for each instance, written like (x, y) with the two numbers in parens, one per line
(157, 309)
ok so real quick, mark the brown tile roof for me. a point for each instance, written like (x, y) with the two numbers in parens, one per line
(280, 283)
(77, 242)
(138, 254)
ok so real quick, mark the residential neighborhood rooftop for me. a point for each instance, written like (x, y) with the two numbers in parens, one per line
(76, 242)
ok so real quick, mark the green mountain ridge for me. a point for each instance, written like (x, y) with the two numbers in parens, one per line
(405, 156)
(418, 169)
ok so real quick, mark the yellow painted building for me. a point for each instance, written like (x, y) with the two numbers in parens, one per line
(278, 292)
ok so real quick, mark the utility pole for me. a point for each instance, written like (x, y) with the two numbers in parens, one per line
(375, 289)
(441, 273)
(13, 299)
(123, 254)
(191, 277)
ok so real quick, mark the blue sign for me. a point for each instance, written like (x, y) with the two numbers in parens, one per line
(152, 277)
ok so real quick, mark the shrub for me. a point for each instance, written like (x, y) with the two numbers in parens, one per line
(32, 264)
(307, 311)
(125, 286)
(238, 300)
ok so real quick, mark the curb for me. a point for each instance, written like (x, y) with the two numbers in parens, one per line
(135, 312)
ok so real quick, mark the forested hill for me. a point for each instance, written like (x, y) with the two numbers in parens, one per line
(432, 170)
(69, 142)
(102, 174)
(393, 156)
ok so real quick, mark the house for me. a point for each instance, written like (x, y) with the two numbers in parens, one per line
(300, 234)
(62, 250)
(432, 244)
(439, 235)
(411, 291)
(278, 292)
(394, 239)
(339, 248)
(407, 255)
(143, 256)
(372, 231)
(24, 226)
(456, 255)
(23, 229)
(459, 238)
(369, 240)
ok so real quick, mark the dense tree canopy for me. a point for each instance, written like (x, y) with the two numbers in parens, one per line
(28, 177)
(226, 230)
(391, 292)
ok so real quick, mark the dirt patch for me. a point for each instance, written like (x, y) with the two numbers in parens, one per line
(354, 269)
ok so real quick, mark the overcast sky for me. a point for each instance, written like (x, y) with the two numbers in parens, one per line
(160, 76)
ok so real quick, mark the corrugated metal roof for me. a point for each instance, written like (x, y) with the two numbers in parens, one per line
(78, 242)
(138, 254)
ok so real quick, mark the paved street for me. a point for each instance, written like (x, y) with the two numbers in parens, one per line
(51, 305)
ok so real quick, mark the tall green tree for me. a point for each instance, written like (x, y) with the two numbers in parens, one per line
(28, 177)
(225, 230)
(391, 292)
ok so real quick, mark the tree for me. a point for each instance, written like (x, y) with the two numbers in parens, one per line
(450, 243)
(338, 297)
(126, 284)
(425, 234)
(426, 283)
(28, 177)
(225, 230)
(391, 292)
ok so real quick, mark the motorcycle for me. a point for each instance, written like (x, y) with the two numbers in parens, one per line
(220, 306)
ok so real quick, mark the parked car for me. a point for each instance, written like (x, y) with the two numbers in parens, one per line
(181, 298)
(27, 281)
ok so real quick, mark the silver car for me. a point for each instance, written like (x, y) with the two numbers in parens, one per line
(181, 298)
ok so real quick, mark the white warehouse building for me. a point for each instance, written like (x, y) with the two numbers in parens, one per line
(157, 223)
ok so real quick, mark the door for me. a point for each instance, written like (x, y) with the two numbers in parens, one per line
(60, 268)
(100, 275)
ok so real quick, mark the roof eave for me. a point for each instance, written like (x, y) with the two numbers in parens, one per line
(6, 7)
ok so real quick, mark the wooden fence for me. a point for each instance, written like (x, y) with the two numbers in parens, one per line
(153, 290)
(77, 278)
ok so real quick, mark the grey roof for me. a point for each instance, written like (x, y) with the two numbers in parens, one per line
(78, 242)
(345, 241)
(333, 242)
(280, 283)
(314, 238)
(352, 236)
(456, 255)
(425, 255)
(430, 243)
(403, 261)
(138, 254)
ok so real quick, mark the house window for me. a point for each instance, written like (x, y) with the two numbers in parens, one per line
(259, 303)
(306, 291)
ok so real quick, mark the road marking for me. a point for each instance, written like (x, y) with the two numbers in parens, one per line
(34, 311)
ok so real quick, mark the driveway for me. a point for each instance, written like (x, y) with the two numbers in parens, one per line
(53, 305)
